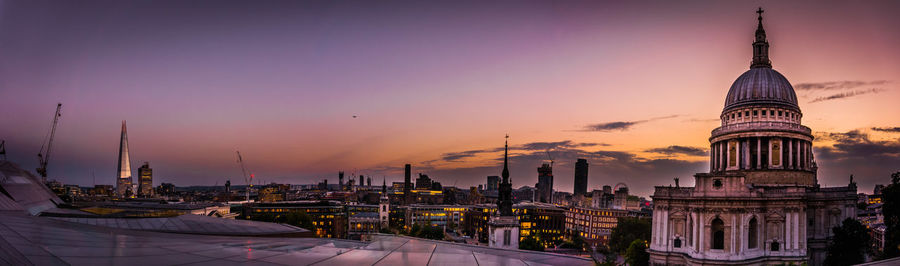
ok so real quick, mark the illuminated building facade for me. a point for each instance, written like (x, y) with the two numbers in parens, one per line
(145, 175)
(594, 225)
(123, 175)
(329, 217)
(760, 203)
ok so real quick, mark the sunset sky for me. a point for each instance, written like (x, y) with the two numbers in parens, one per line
(635, 88)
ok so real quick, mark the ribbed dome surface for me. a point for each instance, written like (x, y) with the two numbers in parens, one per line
(761, 85)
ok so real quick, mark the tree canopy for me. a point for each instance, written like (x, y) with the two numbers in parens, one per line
(531, 243)
(850, 244)
(636, 254)
(890, 197)
(627, 230)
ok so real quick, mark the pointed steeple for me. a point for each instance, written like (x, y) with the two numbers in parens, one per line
(760, 45)
(383, 185)
(505, 173)
(504, 199)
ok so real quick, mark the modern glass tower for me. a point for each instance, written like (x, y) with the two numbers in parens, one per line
(123, 175)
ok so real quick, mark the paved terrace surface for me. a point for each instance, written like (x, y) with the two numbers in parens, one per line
(32, 240)
(195, 224)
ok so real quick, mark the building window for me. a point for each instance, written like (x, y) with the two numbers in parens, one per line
(775, 246)
(677, 243)
(752, 234)
(718, 234)
(755, 113)
(506, 236)
(771, 112)
(717, 183)
(779, 113)
(747, 113)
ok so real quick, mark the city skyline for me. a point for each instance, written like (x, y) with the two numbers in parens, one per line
(625, 86)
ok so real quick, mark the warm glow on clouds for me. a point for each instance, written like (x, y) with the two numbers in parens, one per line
(634, 87)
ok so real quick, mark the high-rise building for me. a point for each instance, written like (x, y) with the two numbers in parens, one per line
(369, 181)
(123, 175)
(423, 182)
(581, 177)
(545, 183)
(341, 180)
(407, 184)
(493, 183)
(145, 177)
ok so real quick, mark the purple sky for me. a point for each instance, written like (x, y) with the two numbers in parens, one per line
(435, 84)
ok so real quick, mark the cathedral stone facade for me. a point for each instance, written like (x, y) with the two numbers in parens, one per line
(760, 203)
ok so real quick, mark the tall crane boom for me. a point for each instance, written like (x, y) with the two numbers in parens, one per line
(44, 154)
(247, 178)
(551, 158)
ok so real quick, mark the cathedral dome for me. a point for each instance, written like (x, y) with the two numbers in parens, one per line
(761, 86)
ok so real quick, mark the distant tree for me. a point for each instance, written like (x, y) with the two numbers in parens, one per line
(609, 257)
(431, 232)
(531, 243)
(636, 254)
(300, 219)
(627, 230)
(415, 230)
(849, 245)
(385, 230)
(890, 198)
(575, 241)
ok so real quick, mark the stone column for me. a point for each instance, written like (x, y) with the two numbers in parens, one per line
(803, 228)
(759, 153)
(790, 158)
(734, 234)
(742, 233)
(701, 240)
(797, 222)
(723, 146)
(665, 240)
(787, 230)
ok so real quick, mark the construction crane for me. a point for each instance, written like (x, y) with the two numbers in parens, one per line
(247, 178)
(3, 149)
(551, 158)
(44, 154)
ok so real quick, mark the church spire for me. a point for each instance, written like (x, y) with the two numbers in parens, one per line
(505, 172)
(504, 197)
(760, 45)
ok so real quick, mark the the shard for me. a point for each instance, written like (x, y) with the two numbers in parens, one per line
(123, 175)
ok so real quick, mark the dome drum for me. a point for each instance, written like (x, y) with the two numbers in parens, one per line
(773, 128)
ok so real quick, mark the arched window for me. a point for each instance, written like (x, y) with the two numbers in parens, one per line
(775, 246)
(384, 208)
(718, 234)
(677, 243)
(752, 233)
